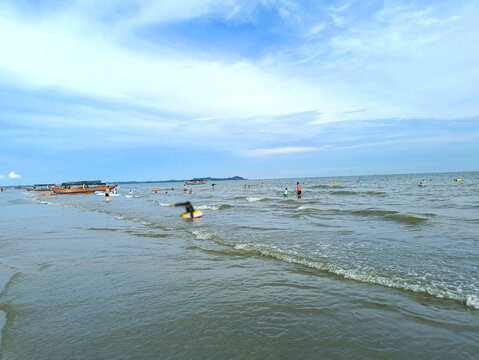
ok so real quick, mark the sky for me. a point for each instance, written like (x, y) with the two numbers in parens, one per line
(177, 89)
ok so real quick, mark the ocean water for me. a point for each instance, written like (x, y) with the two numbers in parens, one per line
(368, 267)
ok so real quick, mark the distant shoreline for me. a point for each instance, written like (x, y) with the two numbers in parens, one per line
(175, 180)
(296, 177)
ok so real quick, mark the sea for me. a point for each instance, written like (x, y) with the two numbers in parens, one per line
(359, 267)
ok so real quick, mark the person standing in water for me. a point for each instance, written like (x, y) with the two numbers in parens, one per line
(213, 186)
(107, 193)
(184, 188)
(188, 207)
(298, 189)
(285, 192)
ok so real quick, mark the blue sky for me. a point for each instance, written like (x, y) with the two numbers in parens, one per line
(146, 90)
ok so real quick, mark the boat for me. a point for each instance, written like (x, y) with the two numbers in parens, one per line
(195, 182)
(42, 187)
(82, 187)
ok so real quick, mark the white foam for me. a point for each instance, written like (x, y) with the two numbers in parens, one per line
(164, 204)
(308, 207)
(202, 235)
(473, 301)
(245, 247)
(255, 198)
(208, 207)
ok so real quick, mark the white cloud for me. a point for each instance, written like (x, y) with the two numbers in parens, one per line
(72, 56)
(316, 29)
(282, 150)
(12, 175)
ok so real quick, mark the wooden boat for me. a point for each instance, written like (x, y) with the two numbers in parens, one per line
(41, 187)
(195, 182)
(83, 187)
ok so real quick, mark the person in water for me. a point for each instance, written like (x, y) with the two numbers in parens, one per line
(188, 207)
(107, 192)
(285, 192)
(184, 188)
(298, 189)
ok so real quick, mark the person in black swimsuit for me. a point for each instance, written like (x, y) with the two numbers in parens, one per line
(188, 207)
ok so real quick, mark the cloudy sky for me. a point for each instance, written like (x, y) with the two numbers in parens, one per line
(146, 90)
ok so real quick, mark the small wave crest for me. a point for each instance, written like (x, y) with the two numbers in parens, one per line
(407, 219)
(373, 212)
(323, 186)
(256, 199)
(309, 207)
(471, 301)
(344, 192)
(377, 193)
(204, 235)
(214, 207)
(391, 215)
(239, 198)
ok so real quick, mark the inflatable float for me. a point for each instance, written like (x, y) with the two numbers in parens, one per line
(196, 214)
(155, 190)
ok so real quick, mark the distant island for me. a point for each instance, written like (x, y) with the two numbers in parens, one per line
(180, 181)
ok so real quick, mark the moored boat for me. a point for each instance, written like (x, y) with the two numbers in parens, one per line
(42, 187)
(195, 182)
(82, 187)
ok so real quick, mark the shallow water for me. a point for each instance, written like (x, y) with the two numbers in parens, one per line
(371, 268)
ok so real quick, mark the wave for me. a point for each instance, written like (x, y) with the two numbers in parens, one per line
(102, 193)
(309, 207)
(374, 212)
(149, 235)
(239, 197)
(344, 192)
(470, 300)
(378, 193)
(393, 215)
(256, 199)
(432, 289)
(407, 219)
(214, 207)
(103, 229)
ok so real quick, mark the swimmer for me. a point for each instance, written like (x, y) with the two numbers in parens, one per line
(285, 192)
(213, 186)
(188, 207)
(131, 191)
(298, 190)
(191, 191)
